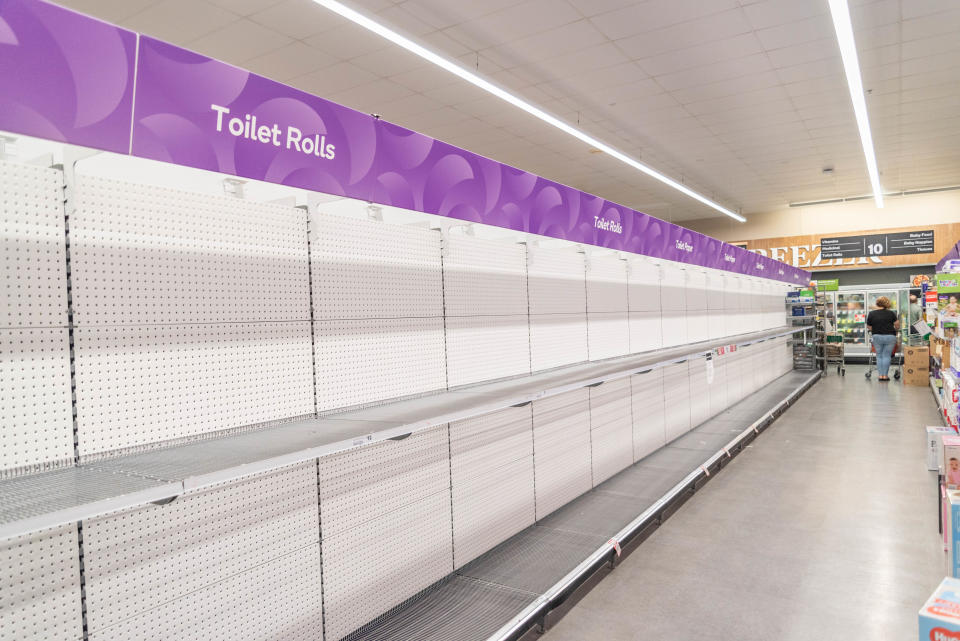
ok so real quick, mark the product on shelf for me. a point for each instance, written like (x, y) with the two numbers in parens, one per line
(950, 379)
(940, 615)
(951, 461)
(935, 434)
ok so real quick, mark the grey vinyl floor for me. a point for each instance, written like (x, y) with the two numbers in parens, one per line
(825, 528)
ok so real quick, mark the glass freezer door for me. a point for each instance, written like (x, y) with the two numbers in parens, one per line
(851, 317)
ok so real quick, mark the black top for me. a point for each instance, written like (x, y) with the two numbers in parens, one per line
(881, 321)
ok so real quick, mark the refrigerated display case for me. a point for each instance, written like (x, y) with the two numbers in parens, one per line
(851, 317)
(852, 304)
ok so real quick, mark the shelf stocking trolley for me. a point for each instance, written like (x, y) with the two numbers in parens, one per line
(830, 343)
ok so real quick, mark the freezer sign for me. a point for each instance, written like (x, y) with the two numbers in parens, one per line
(899, 243)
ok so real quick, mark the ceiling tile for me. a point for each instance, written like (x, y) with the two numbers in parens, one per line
(298, 19)
(290, 61)
(165, 20)
(245, 7)
(689, 34)
(239, 41)
(348, 41)
(769, 13)
(705, 54)
(333, 79)
(653, 15)
(109, 10)
(816, 27)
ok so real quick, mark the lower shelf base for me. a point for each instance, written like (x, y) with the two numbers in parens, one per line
(508, 589)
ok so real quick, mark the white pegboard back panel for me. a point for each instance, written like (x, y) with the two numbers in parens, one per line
(676, 400)
(715, 292)
(40, 586)
(557, 281)
(36, 412)
(557, 339)
(369, 360)
(33, 273)
(643, 280)
(717, 325)
(673, 285)
(371, 569)
(362, 484)
(608, 335)
(673, 327)
(649, 432)
(479, 445)
(481, 348)
(607, 289)
(139, 559)
(561, 435)
(646, 331)
(698, 325)
(611, 428)
(491, 478)
(734, 375)
(144, 254)
(491, 507)
(718, 389)
(698, 316)
(366, 269)
(700, 384)
(142, 385)
(278, 599)
(483, 277)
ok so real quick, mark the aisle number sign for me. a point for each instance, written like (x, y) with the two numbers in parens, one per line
(809, 252)
(891, 244)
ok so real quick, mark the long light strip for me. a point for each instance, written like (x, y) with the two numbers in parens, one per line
(851, 65)
(474, 79)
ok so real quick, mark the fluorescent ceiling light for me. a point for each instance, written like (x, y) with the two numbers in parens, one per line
(503, 94)
(851, 65)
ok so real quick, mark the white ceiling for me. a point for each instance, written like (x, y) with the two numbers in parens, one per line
(745, 100)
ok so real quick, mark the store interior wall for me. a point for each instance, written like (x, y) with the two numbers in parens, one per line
(856, 216)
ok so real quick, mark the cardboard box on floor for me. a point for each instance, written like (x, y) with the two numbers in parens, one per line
(919, 376)
(940, 615)
(916, 356)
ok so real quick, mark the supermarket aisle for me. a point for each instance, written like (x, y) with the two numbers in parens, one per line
(825, 528)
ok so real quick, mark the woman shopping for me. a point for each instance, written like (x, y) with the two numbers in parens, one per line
(883, 324)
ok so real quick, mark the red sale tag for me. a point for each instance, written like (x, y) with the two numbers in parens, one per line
(705, 470)
(616, 545)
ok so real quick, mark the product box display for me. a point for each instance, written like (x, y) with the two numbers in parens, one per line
(935, 434)
(916, 376)
(916, 356)
(950, 395)
(951, 461)
(942, 350)
(952, 532)
(940, 616)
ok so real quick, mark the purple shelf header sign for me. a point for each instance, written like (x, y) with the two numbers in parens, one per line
(65, 76)
(70, 78)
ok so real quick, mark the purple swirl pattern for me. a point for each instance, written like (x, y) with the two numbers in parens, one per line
(65, 76)
(68, 77)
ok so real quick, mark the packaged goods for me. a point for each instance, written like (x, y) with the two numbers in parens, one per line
(940, 615)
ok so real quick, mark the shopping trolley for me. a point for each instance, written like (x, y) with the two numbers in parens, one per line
(873, 358)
